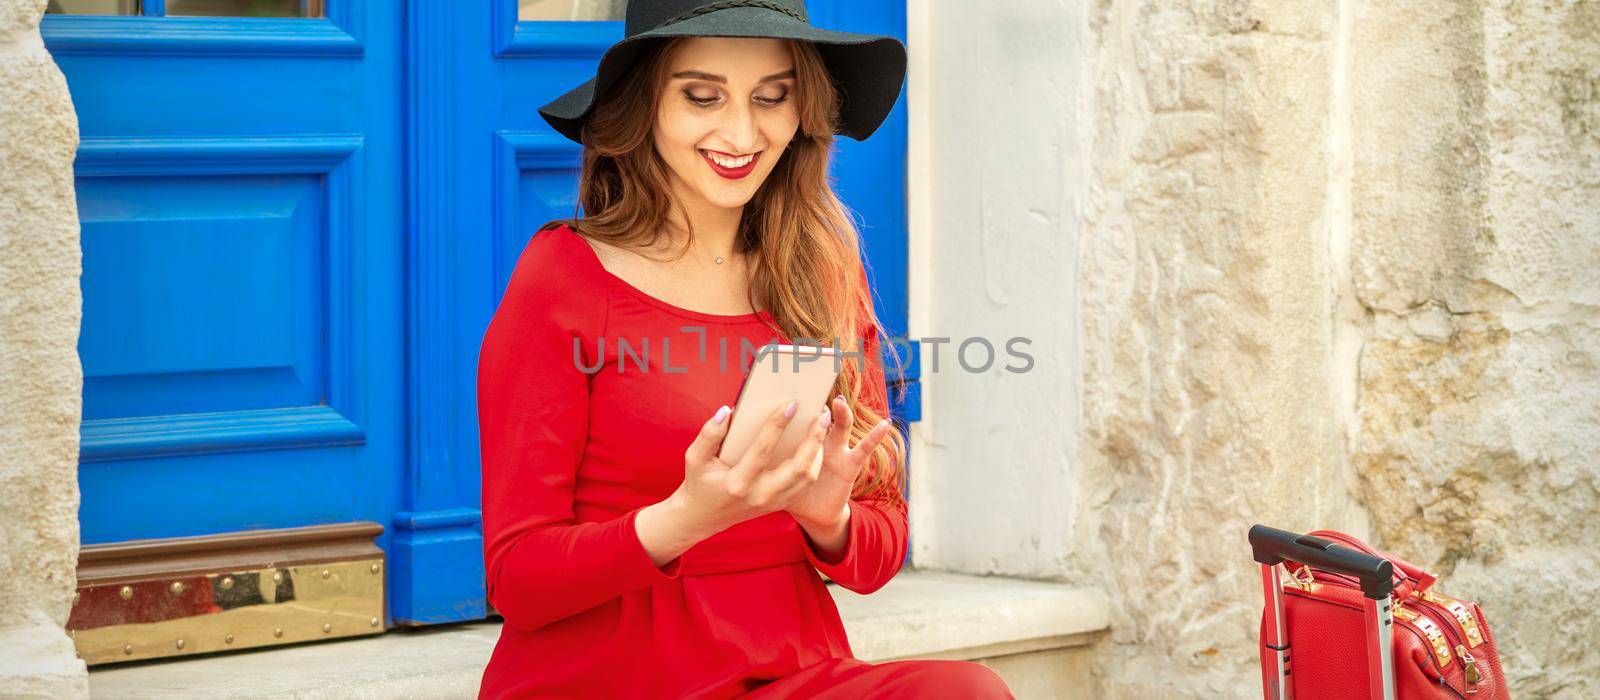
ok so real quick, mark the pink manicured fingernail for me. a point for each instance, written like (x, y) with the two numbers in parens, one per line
(827, 417)
(788, 411)
(721, 414)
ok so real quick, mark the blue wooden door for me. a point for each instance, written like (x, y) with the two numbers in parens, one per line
(239, 188)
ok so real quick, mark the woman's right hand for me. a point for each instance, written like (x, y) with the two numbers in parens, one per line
(718, 495)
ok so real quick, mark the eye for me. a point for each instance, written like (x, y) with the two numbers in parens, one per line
(773, 101)
(699, 99)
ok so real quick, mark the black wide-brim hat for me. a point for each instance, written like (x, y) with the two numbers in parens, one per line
(867, 69)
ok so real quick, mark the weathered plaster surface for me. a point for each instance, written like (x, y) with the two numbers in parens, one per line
(40, 378)
(1477, 254)
(1208, 298)
(1337, 265)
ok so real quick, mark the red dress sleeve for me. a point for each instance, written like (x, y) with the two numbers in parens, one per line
(543, 565)
(876, 545)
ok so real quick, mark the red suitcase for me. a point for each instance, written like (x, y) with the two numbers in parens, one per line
(1339, 617)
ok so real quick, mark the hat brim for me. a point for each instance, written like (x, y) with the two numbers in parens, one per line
(868, 69)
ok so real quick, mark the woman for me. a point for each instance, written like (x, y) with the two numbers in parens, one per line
(625, 557)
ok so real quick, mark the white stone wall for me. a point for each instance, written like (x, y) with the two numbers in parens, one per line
(995, 249)
(1309, 264)
(41, 382)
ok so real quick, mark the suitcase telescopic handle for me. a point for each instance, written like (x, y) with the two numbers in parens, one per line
(1271, 546)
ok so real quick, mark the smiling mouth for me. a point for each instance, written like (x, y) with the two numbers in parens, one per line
(731, 167)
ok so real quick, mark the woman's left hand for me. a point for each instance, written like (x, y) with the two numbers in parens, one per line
(823, 506)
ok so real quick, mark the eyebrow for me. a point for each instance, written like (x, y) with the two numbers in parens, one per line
(702, 75)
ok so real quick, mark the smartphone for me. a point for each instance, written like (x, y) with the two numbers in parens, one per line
(780, 374)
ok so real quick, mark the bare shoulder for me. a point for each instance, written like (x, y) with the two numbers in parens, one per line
(628, 264)
(609, 255)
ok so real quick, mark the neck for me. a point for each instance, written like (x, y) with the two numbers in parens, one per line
(715, 228)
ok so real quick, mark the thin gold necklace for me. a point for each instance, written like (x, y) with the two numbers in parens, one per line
(719, 259)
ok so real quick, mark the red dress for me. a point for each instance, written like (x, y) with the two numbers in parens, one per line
(589, 390)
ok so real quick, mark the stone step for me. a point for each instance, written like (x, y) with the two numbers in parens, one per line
(919, 614)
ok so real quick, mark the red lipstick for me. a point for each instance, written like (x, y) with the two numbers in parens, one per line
(731, 173)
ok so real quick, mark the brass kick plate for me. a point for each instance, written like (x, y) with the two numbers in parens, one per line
(162, 598)
(222, 611)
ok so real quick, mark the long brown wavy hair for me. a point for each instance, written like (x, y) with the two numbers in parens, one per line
(794, 228)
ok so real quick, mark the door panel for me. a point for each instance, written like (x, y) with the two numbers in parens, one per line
(231, 322)
(238, 185)
(871, 175)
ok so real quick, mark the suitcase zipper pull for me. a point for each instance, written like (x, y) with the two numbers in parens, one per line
(1473, 675)
(1301, 579)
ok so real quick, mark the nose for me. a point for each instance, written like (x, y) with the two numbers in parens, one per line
(739, 127)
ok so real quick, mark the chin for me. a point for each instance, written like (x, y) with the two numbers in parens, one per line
(729, 197)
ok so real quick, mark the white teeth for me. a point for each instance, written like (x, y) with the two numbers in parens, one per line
(727, 162)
